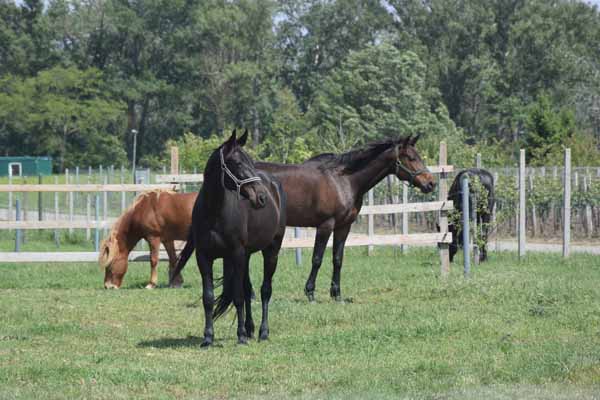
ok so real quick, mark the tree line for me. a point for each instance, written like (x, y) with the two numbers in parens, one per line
(304, 76)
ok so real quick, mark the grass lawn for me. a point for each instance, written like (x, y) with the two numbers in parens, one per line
(527, 329)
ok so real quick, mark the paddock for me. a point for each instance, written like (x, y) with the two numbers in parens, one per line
(516, 329)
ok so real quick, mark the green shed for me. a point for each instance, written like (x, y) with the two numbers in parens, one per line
(25, 166)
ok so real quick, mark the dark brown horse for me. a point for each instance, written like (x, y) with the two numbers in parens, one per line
(156, 216)
(327, 191)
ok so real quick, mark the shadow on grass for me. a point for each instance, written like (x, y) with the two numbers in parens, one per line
(170, 343)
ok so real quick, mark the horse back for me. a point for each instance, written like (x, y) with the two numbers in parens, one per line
(167, 215)
(313, 196)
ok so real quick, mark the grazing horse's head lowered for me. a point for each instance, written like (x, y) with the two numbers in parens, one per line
(238, 172)
(409, 166)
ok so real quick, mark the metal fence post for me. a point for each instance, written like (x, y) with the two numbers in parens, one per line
(298, 250)
(464, 185)
(17, 231)
(567, 204)
(40, 199)
(522, 211)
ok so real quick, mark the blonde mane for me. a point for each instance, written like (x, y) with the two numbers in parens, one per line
(110, 246)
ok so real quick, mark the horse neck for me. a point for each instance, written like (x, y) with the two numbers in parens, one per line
(366, 178)
(213, 193)
(126, 234)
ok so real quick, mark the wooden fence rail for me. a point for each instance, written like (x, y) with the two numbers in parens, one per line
(173, 181)
(26, 188)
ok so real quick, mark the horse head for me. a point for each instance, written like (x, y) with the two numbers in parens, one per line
(410, 167)
(113, 261)
(238, 172)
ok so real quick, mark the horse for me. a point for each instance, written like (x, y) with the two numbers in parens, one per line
(327, 191)
(156, 216)
(238, 212)
(483, 214)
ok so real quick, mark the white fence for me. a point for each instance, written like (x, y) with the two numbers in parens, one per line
(172, 181)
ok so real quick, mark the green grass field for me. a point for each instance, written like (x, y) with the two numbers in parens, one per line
(527, 329)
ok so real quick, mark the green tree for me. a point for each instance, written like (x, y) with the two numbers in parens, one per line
(69, 112)
(377, 93)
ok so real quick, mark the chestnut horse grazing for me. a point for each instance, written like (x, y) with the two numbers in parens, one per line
(239, 211)
(327, 191)
(156, 216)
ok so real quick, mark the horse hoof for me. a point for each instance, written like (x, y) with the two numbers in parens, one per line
(175, 285)
(243, 340)
(264, 335)
(310, 296)
(206, 343)
(151, 286)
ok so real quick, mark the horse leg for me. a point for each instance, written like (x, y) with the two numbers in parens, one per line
(236, 263)
(270, 256)
(177, 281)
(249, 324)
(205, 266)
(339, 241)
(154, 243)
(323, 233)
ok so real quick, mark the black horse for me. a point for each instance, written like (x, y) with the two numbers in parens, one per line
(239, 211)
(483, 214)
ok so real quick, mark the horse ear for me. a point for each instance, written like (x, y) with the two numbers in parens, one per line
(413, 141)
(243, 139)
(406, 141)
(229, 143)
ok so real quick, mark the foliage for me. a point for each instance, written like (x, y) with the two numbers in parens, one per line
(194, 151)
(69, 109)
(376, 93)
(484, 75)
(287, 142)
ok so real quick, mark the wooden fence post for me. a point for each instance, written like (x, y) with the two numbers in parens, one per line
(105, 207)
(123, 195)
(443, 216)
(522, 232)
(88, 206)
(174, 160)
(478, 160)
(56, 214)
(567, 204)
(371, 227)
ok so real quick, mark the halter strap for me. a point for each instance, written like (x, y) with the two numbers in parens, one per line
(412, 174)
(238, 182)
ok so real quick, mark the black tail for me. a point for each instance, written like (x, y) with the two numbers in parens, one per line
(226, 298)
(184, 256)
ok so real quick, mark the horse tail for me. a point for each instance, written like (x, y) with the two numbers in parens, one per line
(184, 256)
(223, 302)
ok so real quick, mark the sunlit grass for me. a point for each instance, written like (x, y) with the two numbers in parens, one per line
(526, 329)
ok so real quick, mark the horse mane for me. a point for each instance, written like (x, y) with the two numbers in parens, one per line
(354, 160)
(109, 248)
